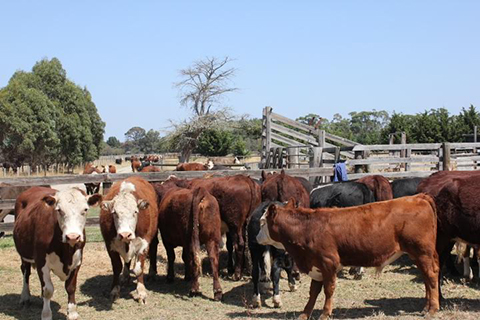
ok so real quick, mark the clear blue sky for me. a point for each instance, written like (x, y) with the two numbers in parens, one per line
(299, 57)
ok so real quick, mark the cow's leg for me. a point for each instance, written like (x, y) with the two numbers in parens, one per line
(152, 254)
(171, 263)
(315, 289)
(429, 266)
(70, 287)
(329, 279)
(47, 289)
(230, 262)
(239, 246)
(213, 255)
(256, 252)
(289, 265)
(26, 270)
(276, 269)
(117, 269)
(138, 270)
(188, 264)
(442, 248)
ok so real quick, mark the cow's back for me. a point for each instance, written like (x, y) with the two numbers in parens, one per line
(433, 184)
(405, 187)
(282, 187)
(379, 185)
(341, 194)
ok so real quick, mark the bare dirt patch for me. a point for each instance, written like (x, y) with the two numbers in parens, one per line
(397, 294)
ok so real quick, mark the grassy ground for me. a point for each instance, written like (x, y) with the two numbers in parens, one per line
(397, 294)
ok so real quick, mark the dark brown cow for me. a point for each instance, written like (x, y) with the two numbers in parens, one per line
(91, 187)
(128, 222)
(49, 233)
(433, 184)
(237, 197)
(186, 218)
(282, 187)
(379, 185)
(321, 241)
(8, 192)
(193, 166)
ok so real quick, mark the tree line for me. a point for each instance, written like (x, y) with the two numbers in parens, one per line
(46, 118)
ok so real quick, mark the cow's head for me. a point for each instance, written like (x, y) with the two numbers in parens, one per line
(71, 208)
(267, 224)
(125, 208)
(210, 164)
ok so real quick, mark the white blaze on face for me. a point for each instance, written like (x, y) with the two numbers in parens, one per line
(263, 236)
(124, 207)
(210, 164)
(71, 208)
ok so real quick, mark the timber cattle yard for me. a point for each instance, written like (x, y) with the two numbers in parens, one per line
(317, 226)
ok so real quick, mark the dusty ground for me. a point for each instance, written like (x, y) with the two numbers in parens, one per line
(397, 294)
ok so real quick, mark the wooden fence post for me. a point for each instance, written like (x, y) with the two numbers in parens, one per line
(316, 162)
(293, 157)
(408, 154)
(446, 156)
(359, 167)
(266, 134)
(321, 138)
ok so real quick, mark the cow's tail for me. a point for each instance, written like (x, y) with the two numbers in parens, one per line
(197, 206)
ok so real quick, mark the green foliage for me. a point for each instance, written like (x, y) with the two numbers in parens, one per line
(150, 141)
(215, 142)
(47, 118)
(114, 142)
(248, 134)
(239, 148)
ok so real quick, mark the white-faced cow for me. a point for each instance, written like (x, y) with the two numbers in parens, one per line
(49, 234)
(128, 221)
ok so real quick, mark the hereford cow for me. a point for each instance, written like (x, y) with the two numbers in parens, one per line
(379, 185)
(187, 218)
(405, 187)
(49, 233)
(149, 169)
(135, 165)
(92, 188)
(112, 168)
(321, 241)
(193, 166)
(281, 187)
(128, 221)
(237, 197)
(458, 213)
(262, 257)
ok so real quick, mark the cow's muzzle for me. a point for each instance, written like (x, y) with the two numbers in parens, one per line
(126, 237)
(73, 238)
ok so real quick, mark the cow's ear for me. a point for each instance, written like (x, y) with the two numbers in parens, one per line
(282, 173)
(94, 199)
(264, 175)
(143, 204)
(107, 205)
(49, 200)
(272, 211)
(292, 203)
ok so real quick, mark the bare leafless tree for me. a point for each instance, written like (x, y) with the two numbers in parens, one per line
(205, 83)
(202, 89)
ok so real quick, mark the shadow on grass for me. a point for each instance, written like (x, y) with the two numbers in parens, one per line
(10, 306)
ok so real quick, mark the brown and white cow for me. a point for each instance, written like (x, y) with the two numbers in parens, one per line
(128, 221)
(324, 240)
(187, 218)
(49, 234)
(91, 187)
(193, 166)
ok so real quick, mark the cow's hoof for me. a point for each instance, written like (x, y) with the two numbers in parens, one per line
(73, 316)
(293, 287)
(277, 302)
(115, 293)
(194, 293)
(47, 315)
(142, 297)
(218, 296)
(256, 301)
(324, 317)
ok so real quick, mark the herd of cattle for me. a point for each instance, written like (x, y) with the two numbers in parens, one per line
(284, 222)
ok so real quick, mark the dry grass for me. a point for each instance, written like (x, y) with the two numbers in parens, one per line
(397, 294)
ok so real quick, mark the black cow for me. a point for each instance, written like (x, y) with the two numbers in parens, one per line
(261, 260)
(405, 187)
(341, 194)
(118, 161)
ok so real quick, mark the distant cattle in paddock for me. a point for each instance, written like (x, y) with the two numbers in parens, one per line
(322, 241)
(341, 194)
(237, 197)
(379, 185)
(49, 233)
(223, 161)
(112, 168)
(136, 164)
(92, 188)
(212, 166)
(9, 192)
(458, 213)
(150, 168)
(405, 187)
(193, 166)
(128, 221)
(118, 161)
(267, 260)
(188, 218)
(281, 187)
